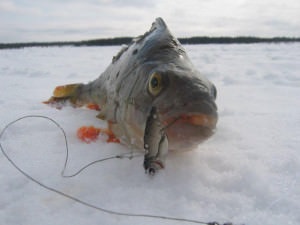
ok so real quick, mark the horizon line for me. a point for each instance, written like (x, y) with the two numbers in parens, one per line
(126, 40)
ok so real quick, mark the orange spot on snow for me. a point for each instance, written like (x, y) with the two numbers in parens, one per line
(88, 134)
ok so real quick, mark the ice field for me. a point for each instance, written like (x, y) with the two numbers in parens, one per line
(247, 173)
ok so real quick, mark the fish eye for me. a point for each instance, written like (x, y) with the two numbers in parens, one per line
(155, 84)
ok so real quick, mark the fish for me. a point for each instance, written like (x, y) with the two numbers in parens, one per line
(151, 95)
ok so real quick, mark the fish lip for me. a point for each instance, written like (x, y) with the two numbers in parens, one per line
(199, 115)
(193, 119)
(199, 119)
(187, 130)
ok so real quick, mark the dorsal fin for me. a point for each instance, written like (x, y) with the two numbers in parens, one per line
(151, 42)
(159, 23)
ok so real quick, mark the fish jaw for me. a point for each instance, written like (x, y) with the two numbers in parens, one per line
(190, 124)
(187, 131)
(199, 120)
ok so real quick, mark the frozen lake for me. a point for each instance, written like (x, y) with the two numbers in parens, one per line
(247, 173)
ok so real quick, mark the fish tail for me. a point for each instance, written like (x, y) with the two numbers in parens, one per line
(66, 94)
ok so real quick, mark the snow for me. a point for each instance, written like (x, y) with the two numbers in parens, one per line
(247, 173)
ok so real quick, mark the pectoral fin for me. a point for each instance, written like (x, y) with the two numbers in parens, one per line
(102, 113)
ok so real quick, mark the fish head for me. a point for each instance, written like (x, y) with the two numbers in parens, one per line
(161, 75)
(185, 101)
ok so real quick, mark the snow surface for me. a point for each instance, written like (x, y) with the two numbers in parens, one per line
(247, 173)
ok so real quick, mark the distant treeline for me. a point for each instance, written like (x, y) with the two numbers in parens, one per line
(127, 40)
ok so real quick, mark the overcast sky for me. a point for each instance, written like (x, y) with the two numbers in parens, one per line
(63, 20)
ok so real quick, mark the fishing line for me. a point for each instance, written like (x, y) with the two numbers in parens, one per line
(87, 204)
(128, 155)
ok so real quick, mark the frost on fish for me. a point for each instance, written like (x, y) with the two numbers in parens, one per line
(152, 72)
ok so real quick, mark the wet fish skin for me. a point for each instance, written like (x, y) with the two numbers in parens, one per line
(127, 92)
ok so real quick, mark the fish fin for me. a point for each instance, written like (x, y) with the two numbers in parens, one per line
(65, 94)
(159, 23)
(102, 114)
(93, 106)
(111, 137)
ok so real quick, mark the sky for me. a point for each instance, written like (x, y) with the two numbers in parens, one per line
(74, 20)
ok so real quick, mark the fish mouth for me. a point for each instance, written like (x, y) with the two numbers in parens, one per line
(199, 120)
(196, 122)
(203, 114)
(188, 129)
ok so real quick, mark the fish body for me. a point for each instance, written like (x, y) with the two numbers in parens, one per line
(153, 72)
